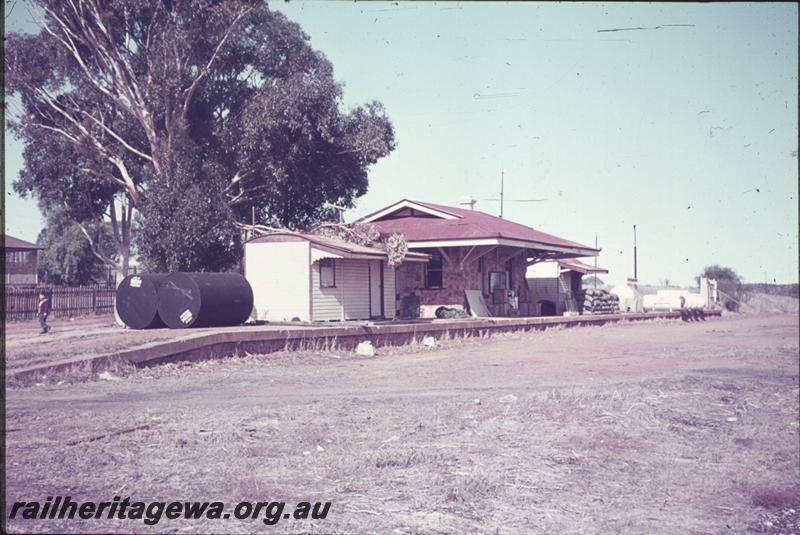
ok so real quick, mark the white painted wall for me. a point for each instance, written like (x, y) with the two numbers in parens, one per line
(543, 270)
(630, 299)
(278, 272)
(670, 300)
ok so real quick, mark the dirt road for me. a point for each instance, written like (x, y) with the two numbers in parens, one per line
(658, 427)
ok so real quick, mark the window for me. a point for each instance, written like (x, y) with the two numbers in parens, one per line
(433, 271)
(16, 257)
(481, 277)
(327, 273)
(498, 280)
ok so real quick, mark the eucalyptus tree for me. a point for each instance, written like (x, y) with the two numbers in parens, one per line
(177, 120)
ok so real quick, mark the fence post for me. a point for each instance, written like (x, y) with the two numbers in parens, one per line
(94, 300)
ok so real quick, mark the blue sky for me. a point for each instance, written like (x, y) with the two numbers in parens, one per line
(688, 132)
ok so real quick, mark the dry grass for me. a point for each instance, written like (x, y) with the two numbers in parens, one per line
(294, 351)
(708, 449)
(761, 303)
(561, 460)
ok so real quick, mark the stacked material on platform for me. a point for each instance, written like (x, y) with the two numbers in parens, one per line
(598, 302)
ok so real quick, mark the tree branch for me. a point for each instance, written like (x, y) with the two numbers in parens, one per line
(58, 130)
(117, 137)
(189, 92)
(246, 195)
(69, 44)
(96, 252)
(130, 187)
(260, 229)
(104, 176)
(113, 218)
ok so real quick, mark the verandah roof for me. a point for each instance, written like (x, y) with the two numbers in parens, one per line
(434, 225)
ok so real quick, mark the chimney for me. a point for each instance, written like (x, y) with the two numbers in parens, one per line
(467, 202)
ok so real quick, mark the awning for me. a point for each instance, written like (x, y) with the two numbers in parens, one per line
(573, 264)
(325, 247)
(320, 254)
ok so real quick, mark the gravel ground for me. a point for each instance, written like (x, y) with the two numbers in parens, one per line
(656, 427)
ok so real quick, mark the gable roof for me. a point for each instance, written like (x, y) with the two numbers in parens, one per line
(10, 242)
(340, 247)
(442, 212)
(463, 224)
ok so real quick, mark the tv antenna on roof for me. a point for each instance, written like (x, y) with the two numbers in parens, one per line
(340, 210)
(502, 195)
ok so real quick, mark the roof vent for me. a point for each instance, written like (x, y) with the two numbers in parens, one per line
(467, 202)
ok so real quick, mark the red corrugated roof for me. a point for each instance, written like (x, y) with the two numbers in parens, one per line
(576, 265)
(10, 242)
(470, 224)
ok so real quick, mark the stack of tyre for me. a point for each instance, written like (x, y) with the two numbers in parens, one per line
(599, 302)
(184, 300)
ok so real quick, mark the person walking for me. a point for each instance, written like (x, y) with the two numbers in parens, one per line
(43, 311)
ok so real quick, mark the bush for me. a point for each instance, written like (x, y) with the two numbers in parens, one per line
(729, 284)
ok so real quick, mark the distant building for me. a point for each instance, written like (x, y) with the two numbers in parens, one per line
(21, 260)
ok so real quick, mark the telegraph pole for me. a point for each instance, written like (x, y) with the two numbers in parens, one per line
(595, 262)
(635, 273)
(502, 179)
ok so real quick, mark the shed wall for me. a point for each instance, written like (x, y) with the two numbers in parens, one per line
(544, 288)
(558, 289)
(389, 292)
(278, 272)
(355, 288)
(349, 299)
(326, 303)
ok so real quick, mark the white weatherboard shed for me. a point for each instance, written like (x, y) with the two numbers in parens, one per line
(312, 278)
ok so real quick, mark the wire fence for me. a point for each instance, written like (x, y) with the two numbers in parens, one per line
(65, 301)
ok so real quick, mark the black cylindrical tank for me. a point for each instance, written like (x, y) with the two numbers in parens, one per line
(137, 300)
(204, 300)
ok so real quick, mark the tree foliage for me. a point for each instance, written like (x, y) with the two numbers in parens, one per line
(187, 230)
(67, 257)
(729, 283)
(394, 244)
(721, 274)
(131, 110)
